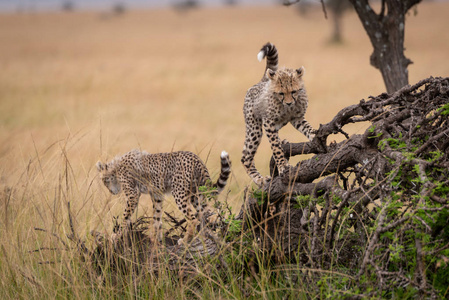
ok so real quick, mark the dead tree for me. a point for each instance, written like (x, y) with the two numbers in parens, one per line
(346, 205)
(337, 9)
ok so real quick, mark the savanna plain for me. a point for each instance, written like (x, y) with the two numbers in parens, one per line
(80, 87)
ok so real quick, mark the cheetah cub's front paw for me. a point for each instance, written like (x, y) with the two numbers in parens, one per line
(266, 180)
(190, 232)
(260, 182)
(312, 134)
(156, 237)
(115, 237)
(287, 171)
(184, 241)
(284, 168)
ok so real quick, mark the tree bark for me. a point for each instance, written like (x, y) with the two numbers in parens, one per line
(386, 33)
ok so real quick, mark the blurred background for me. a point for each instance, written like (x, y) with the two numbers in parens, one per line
(42, 5)
(83, 81)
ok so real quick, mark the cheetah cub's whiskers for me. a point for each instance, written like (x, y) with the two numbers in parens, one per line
(279, 98)
(180, 173)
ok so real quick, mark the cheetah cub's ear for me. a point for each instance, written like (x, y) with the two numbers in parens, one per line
(270, 74)
(300, 71)
(101, 166)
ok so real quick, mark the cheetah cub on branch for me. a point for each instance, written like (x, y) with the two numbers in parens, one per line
(180, 173)
(279, 98)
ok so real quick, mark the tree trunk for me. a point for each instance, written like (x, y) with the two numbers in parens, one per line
(386, 33)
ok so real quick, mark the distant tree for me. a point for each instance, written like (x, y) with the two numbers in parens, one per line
(337, 9)
(118, 8)
(68, 6)
(185, 5)
(303, 7)
(230, 2)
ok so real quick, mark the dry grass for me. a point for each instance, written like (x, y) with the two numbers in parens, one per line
(76, 88)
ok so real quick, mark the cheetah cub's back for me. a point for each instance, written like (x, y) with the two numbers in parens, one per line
(279, 98)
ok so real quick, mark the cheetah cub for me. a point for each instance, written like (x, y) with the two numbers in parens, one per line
(180, 173)
(279, 98)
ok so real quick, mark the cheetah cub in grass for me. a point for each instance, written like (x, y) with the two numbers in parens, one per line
(180, 173)
(279, 98)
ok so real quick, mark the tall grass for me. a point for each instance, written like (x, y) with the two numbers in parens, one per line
(39, 261)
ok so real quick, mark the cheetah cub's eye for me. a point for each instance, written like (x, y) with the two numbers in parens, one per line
(281, 96)
(109, 179)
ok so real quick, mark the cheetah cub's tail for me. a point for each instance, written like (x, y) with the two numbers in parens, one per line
(225, 172)
(271, 53)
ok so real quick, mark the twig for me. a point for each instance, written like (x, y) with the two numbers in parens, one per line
(53, 234)
(374, 239)
(44, 249)
(420, 264)
(73, 236)
(432, 139)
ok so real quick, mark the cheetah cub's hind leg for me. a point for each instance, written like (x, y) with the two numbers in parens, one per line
(185, 206)
(158, 200)
(198, 199)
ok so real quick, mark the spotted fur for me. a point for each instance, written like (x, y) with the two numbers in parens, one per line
(180, 173)
(279, 98)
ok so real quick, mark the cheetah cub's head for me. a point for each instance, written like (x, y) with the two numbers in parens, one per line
(286, 84)
(109, 177)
